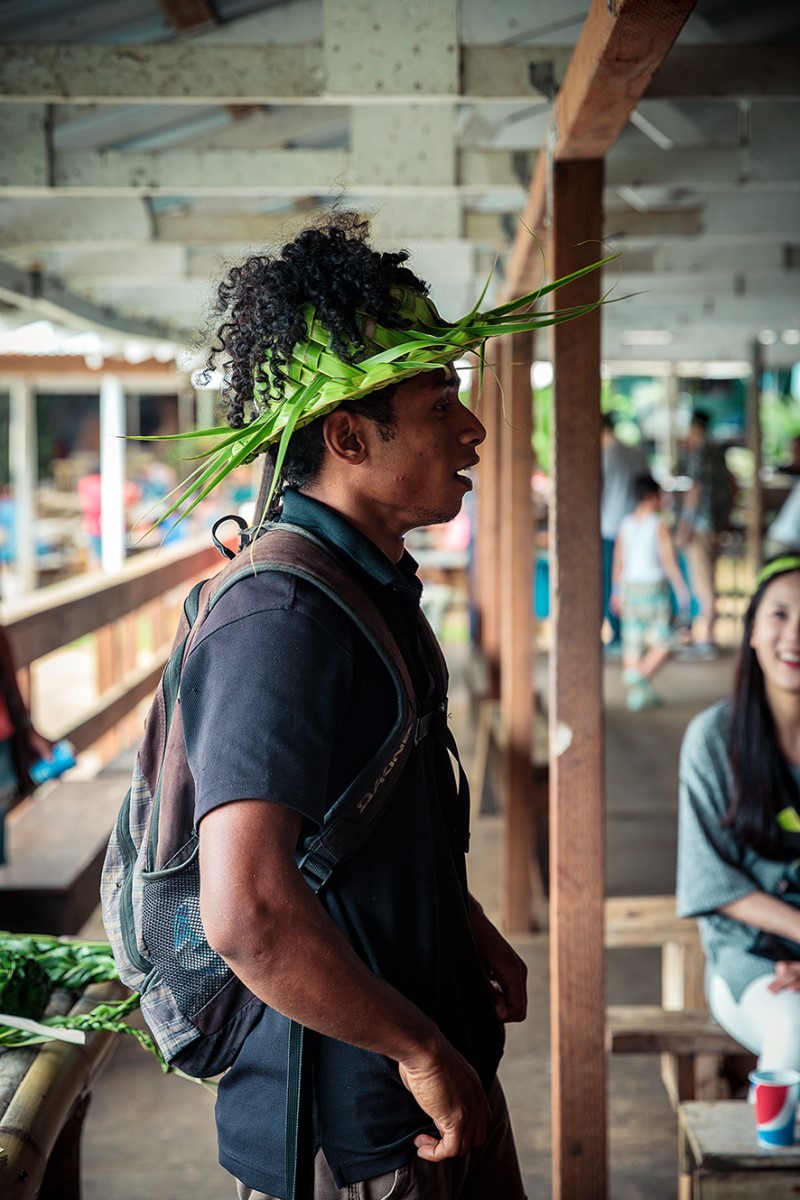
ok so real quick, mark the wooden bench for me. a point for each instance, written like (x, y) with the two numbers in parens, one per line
(44, 1095)
(681, 1030)
(55, 845)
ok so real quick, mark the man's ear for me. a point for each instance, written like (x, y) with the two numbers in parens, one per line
(344, 437)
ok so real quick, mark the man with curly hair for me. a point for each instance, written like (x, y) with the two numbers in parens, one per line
(400, 981)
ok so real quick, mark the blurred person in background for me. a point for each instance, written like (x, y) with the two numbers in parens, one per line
(705, 514)
(20, 743)
(792, 465)
(644, 567)
(622, 465)
(783, 534)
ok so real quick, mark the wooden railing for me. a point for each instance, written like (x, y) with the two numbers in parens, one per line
(129, 620)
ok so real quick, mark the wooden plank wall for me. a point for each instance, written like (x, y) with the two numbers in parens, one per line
(755, 513)
(487, 566)
(521, 882)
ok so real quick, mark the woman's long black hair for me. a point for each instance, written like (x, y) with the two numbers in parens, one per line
(762, 781)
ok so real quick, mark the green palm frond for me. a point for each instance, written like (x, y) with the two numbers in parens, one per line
(317, 380)
(32, 966)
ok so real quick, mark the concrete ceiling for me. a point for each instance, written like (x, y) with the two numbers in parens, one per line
(146, 144)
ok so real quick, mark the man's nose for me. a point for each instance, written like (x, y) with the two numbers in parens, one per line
(474, 430)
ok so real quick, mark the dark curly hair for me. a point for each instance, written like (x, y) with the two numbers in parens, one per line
(333, 267)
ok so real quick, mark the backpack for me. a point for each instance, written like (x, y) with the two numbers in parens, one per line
(198, 1011)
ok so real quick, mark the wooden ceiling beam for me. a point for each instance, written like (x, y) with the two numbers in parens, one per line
(728, 72)
(619, 50)
(615, 58)
(197, 72)
(40, 293)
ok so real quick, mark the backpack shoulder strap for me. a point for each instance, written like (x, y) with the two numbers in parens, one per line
(170, 687)
(295, 551)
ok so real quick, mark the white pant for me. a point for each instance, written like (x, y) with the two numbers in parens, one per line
(767, 1023)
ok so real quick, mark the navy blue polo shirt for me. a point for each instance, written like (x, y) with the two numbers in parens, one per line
(284, 700)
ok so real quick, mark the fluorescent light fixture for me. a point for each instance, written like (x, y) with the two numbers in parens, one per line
(791, 337)
(632, 197)
(651, 130)
(135, 352)
(733, 369)
(647, 337)
(541, 374)
(767, 337)
(613, 368)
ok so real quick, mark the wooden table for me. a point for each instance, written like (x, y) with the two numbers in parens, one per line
(44, 1094)
(719, 1157)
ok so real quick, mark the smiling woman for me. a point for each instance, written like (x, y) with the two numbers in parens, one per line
(776, 641)
(739, 833)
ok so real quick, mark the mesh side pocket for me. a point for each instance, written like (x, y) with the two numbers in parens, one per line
(175, 938)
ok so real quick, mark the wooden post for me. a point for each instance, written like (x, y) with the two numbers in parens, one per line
(516, 624)
(577, 842)
(23, 473)
(755, 509)
(488, 527)
(107, 674)
(112, 473)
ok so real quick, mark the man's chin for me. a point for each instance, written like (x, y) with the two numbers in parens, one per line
(438, 517)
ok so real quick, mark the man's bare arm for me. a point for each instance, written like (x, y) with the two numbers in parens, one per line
(264, 920)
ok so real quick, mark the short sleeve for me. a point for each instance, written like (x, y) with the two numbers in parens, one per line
(262, 702)
(710, 870)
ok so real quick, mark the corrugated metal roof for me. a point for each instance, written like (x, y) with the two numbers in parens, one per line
(148, 251)
(116, 22)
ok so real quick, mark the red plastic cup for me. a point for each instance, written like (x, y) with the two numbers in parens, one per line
(776, 1097)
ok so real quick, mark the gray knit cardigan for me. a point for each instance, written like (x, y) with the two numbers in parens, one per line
(713, 869)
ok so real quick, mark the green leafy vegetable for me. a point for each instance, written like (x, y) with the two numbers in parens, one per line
(32, 966)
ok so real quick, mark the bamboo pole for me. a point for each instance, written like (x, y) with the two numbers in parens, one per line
(51, 1091)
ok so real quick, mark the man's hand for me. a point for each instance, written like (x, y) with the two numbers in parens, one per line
(504, 968)
(447, 1088)
(261, 916)
(787, 977)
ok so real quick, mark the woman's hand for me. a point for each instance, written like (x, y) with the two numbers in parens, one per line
(787, 977)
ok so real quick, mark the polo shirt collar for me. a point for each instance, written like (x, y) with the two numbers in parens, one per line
(326, 523)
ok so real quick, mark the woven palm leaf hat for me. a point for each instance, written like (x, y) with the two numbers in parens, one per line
(317, 379)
